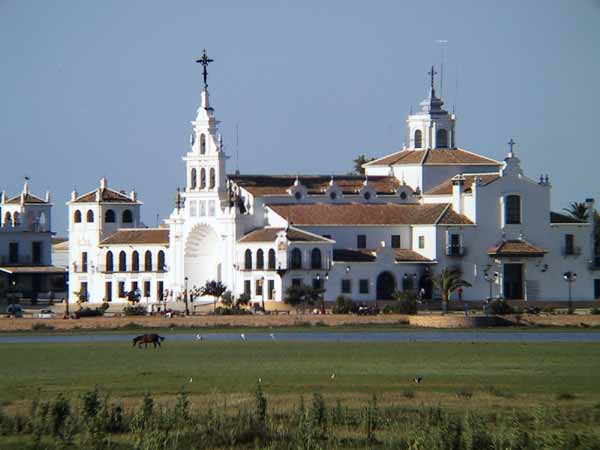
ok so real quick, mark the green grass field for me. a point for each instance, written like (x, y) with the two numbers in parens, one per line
(298, 368)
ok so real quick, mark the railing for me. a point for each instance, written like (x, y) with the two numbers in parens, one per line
(20, 260)
(115, 269)
(571, 251)
(456, 250)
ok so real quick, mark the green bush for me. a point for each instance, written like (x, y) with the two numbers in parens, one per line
(500, 308)
(88, 312)
(595, 311)
(406, 303)
(135, 310)
(41, 327)
(235, 311)
(344, 305)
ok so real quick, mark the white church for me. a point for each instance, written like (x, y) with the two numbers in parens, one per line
(426, 207)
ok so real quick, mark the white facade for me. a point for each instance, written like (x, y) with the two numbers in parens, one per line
(430, 206)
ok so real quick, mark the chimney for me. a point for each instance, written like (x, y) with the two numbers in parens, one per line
(133, 195)
(98, 195)
(102, 183)
(589, 203)
(3, 197)
(73, 195)
(47, 196)
(458, 186)
(26, 187)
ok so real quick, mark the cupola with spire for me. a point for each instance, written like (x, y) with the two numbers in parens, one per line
(432, 127)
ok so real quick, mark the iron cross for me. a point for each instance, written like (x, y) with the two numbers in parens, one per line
(432, 72)
(205, 61)
(511, 144)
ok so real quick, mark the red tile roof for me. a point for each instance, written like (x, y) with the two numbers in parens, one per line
(516, 248)
(260, 185)
(29, 198)
(270, 234)
(445, 188)
(369, 214)
(138, 236)
(407, 255)
(107, 195)
(370, 255)
(435, 157)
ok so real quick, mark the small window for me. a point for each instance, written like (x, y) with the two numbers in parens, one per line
(569, 244)
(407, 283)
(395, 241)
(122, 292)
(211, 208)
(161, 261)
(346, 286)
(363, 286)
(76, 216)
(36, 252)
(109, 216)
(83, 290)
(421, 241)
(109, 261)
(108, 291)
(513, 209)
(332, 195)
(298, 195)
(148, 261)
(135, 261)
(247, 287)
(361, 241)
(271, 289)
(259, 288)
(202, 179)
(317, 283)
(418, 139)
(127, 216)
(122, 262)
(271, 259)
(315, 259)
(90, 216)
(202, 144)
(441, 139)
(260, 259)
(212, 179)
(403, 195)
(248, 259)
(296, 282)
(367, 196)
(84, 262)
(146, 289)
(193, 179)
(296, 259)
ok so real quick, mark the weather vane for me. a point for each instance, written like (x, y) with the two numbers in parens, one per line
(205, 61)
(432, 72)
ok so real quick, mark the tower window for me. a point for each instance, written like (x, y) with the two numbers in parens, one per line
(127, 216)
(135, 261)
(193, 179)
(418, 139)
(76, 216)
(441, 139)
(212, 179)
(315, 259)
(202, 144)
(122, 261)
(361, 241)
(90, 216)
(512, 209)
(202, 179)
(271, 259)
(109, 261)
(296, 259)
(109, 216)
(148, 261)
(248, 259)
(260, 259)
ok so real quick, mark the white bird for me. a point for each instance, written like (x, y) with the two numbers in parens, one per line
(259, 380)
(418, 380)
(191, 379)
(243, 336)
(199, 337)
(272, 336)
(333, 376)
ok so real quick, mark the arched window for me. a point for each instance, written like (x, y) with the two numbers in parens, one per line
(127, 216)
(315, 259)
(16, 219)
(148, 261)
(89, 217)
(7, 219)
(161, 261)
(248, 259)
(202, 144)
(212, 178)
(202, 179)
(109, 216)
(193, 179)
(122, 262)
(512, 209)
(418, 139)
(271, 259)
(135, 261)
(77, 216)
(296, 259)
(260, 259)
(441, 139)
(109, 261)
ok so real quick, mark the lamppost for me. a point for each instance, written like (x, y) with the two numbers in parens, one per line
(262, 293)
(322, 295)
(570, 278)
(185, 297)
(491, 279)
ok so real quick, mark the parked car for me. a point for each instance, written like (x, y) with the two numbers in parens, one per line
(45, 314)
(14, 310)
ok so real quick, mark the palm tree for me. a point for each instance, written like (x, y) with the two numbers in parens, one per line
(577, 210)
(215, 289)
(447, 282)
(358, 164)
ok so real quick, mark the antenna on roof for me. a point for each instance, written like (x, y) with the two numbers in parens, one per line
(237, 147)
(442, 43)
(455, 93)
(157, 220)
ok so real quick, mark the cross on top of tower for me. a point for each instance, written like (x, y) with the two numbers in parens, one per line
(511, 144)
(205, 61)
(432, 72)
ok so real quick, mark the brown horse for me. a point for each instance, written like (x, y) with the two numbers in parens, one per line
(147, 339)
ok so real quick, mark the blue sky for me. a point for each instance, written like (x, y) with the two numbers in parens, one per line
(91, 89)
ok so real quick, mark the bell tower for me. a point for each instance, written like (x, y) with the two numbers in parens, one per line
(432, 127)
(205, 161)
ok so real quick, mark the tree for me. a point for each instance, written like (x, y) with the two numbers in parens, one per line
(214, 289)
(577, 210)
(302, 295)
(447, 281)
(358, 164)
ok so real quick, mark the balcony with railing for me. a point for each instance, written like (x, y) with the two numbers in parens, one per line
(456, 250)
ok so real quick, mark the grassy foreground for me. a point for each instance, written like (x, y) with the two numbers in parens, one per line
(542, 388)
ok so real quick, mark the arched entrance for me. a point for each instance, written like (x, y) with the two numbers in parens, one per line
(201, 262)
(386, 286)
